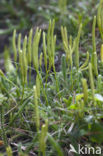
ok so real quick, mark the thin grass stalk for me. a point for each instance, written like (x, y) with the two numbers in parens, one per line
(20, 57)
(77, 47)
(101, 53)
(5, 78)
(53, 57)
(19, 43)
(40, 61)
(93, 34)
(63, 60)
(91, 81)
(99, 83)
(53, 50)
(37, 118)
(55, 145)
(21, 65)
(44, 51)
(14, 46)
(49, 42)
(42, 87)
(57, 84)
(94, 54)
(38, 86)
(71, 64)
(30, 52)
(95, 64)
(85, 90)
(100, 18)
(80, 108)
(70, 41)
(24, 60)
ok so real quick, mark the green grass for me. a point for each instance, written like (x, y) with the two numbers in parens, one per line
(43, 107)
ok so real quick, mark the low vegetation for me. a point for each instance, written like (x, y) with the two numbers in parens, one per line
(45, 107)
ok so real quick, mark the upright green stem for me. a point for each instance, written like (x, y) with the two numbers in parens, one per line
(91, 81)
(77, 47)
(41, 83)
(94, 54)
(57, 85)
(4, 137)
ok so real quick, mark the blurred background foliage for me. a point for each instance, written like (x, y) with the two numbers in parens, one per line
(24, 14)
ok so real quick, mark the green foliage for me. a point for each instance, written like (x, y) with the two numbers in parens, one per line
(85, 90)
(102, 53)
(51, 41)
(43, 138)
(100, 18)
(9, 151)
(77, 47)
(62, 5)
(36, 108)
(94, 54)
(45, 107)
(64, 71)
(91, 80)
(36, 41)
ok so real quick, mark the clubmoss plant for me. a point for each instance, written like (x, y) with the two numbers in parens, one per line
(44, 51)
(60, 96)
(19, 42)
(62, 5)
(64, 71)
(20, 56)
(43, 138)
(80, 108)
(95, 64)
(93, 34)
(8, 63)
(85, 64)
(30, 51)
(55, 145)
(38, 86)
(100, 18)
(77, 47)
(9, 81)
(14, 46)
(21, 65)
(40, 61)
(69, 48)
(9, 151)
(36, 41)
(99, 83)
(85, 90)
(1, 73)
(94, 54)
(91, 80)
(101, 53)
(24, 60)
(51, 41)
(30, 47)
(65, 42)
